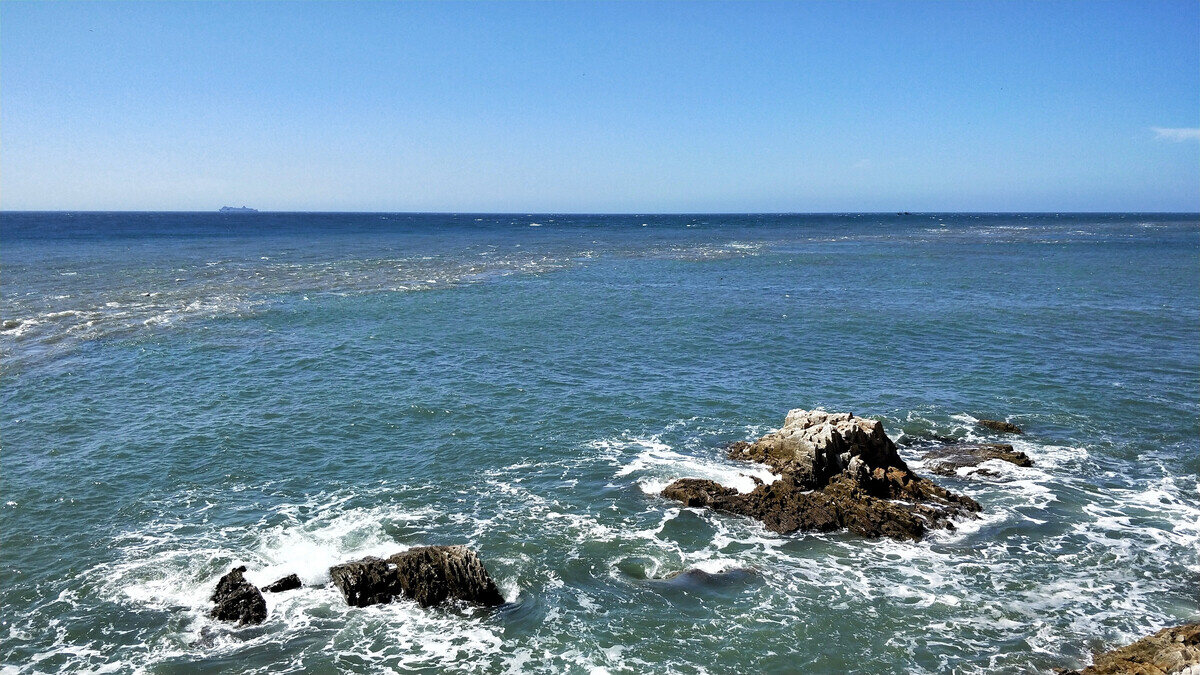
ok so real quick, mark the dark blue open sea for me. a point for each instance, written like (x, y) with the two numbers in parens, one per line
(180, 393)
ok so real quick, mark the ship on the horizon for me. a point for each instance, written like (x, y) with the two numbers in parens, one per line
(238, 209)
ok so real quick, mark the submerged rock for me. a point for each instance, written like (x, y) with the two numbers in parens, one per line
(430, 575)
(1002, 427)
(238, 600)
(695, 578)
(1171, 651)
(835, 471)
(947, 460)
(289, 583)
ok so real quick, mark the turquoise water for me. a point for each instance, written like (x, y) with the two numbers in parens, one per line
(186, 392)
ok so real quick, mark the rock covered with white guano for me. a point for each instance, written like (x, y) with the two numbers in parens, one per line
(814, 446)
(835, 471)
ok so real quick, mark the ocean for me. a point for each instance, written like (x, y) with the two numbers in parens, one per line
(185, 392)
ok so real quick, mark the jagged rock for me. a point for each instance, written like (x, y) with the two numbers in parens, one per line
(1171, 651)
(836, 471)
(815, 445)
(366, 582)
(947, 460)
(1002, 427)
(238, 600)
(430, 575)
(289, 583)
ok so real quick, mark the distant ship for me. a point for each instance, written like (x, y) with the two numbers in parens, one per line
(238, 209)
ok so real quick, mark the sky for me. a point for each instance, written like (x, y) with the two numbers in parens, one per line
(601, 107)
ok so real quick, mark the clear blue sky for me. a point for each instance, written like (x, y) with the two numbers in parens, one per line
(813, 106)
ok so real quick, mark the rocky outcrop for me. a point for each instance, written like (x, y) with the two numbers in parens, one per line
(289, 583)
(1002, 427)
(430, 575)
(835, 471)
(947, 460)
(1171, 651)
(238, 600)
(366, 582)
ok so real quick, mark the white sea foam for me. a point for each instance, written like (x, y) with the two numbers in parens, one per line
(657, 465)
(1029, 569)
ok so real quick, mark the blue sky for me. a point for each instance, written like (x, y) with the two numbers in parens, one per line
(614, 107)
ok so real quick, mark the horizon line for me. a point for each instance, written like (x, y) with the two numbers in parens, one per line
(605, 213)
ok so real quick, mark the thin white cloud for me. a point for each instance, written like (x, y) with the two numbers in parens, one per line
(1176, 134)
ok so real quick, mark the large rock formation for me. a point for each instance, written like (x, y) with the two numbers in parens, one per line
(430, 575)
(1171, 651)
(835, 471)
(238, 600)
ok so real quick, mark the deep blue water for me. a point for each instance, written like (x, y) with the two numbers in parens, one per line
(181, 392)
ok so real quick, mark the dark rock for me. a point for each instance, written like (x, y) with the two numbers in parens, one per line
(926, 438)
(289, 583)
(1002, 427)
(433, 574)
(946, 461)
(238, 600)
(835, 471)
(366, 582)
(1171, 650)
(430, 575)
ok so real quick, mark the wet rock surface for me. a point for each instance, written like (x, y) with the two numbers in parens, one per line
(1171, 651)
(947, 460)
(835, 471)
(1002, 427)
(238, 600)
(289, 583)
(430, 575)
(366, 582)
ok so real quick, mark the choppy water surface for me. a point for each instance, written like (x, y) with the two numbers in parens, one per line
(185, 392)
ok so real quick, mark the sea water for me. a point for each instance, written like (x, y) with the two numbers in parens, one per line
(181, 393)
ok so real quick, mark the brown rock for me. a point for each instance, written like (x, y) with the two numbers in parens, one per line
(1002, 427)
(1167, 652)
(947, 460)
